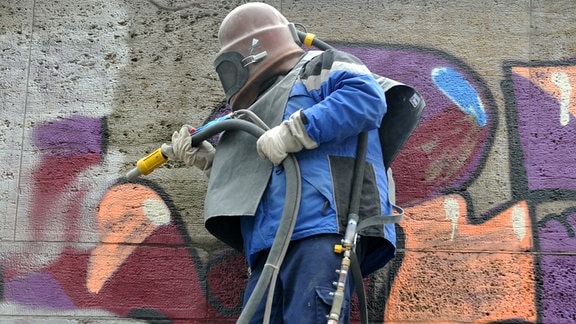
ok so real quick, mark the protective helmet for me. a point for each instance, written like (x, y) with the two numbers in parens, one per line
(256, 44)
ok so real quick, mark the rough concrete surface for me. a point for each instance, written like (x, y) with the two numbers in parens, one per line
(89, 87)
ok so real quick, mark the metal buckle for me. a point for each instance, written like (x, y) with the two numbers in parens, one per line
(254, 58)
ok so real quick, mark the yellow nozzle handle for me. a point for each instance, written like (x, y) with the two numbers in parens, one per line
(150, 162)
(147, 164)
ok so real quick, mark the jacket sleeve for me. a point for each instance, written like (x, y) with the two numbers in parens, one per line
(349, 99)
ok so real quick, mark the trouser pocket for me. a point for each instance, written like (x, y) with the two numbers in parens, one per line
(324, 299)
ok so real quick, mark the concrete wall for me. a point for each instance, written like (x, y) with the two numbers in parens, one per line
(488, 179)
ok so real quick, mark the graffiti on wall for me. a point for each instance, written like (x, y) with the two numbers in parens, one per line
(511, 262)
(542, 105)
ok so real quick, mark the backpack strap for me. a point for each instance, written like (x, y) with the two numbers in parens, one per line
(381, 219)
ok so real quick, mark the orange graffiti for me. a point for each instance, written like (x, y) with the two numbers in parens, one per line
(127, 215)
(456, 271)
(558, 81)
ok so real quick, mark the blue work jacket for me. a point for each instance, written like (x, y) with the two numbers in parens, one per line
(340, 99)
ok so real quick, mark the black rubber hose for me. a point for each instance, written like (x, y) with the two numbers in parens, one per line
(318, 43)
(357, 181)
(287, 222)
(229, 124)
(354, 212)
(281, 240)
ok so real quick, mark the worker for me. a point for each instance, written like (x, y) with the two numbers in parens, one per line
(316, 104)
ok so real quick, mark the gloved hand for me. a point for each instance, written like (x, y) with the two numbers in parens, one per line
(288, 137)
(182, 150)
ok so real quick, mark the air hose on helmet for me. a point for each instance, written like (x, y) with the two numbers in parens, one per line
(349, 260)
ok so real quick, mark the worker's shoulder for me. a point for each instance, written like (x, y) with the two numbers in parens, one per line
(329, 67)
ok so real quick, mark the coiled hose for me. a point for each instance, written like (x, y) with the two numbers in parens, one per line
(267, 280)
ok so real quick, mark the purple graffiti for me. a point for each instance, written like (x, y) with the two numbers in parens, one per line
(545, 155)
(547, 147)
(71, 136)
(452, 141)
(68, 147)
(38, 289)
(558, 268)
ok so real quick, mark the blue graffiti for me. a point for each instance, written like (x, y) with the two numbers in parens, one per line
(455, 87)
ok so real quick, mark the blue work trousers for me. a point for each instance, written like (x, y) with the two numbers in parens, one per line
(302, 291)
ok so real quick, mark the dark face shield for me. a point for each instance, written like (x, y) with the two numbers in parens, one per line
(232, 72)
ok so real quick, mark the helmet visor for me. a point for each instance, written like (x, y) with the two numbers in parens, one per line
(231, 73)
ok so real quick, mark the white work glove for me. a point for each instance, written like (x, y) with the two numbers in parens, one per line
(182, 150)
(288, 137)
